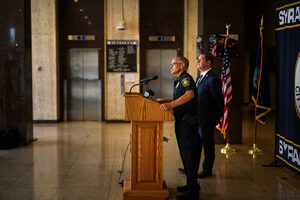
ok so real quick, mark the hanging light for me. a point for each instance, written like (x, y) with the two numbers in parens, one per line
(122, 25)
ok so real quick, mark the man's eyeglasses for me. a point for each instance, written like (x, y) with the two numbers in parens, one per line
(173, 64)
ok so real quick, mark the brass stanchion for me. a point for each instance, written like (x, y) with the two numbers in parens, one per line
(227, 149)
(254, 150)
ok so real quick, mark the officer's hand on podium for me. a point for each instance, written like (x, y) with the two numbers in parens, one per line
(166, 106)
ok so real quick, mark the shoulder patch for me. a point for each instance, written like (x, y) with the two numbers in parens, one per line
(186, 82)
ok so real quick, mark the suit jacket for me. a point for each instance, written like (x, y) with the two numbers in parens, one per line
(210, 100)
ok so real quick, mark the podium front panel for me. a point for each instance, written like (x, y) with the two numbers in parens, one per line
(146, 155)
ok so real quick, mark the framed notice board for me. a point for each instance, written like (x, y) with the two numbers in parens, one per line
(121, 55)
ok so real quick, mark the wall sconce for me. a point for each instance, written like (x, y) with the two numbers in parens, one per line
(122, 26)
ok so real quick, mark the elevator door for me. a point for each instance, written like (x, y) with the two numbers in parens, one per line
(84, 90)
(158, 63)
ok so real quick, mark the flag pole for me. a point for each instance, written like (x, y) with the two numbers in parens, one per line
(255, 150)
(228, 148)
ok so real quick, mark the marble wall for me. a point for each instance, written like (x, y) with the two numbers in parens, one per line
(45, 60)
(114, 100)
(190, 34)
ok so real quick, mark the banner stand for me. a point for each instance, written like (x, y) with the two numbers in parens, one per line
(287, 126)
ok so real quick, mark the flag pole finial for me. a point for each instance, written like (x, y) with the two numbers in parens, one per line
(227, 28)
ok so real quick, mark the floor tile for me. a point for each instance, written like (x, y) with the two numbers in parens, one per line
(82, 160)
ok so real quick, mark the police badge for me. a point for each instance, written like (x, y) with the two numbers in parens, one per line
(185, 82)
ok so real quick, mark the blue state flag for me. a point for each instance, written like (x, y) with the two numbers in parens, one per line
(261, 95)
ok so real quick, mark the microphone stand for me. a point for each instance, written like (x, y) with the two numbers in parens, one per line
(144, 83)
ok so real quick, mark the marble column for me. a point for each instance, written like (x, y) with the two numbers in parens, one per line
(45, 75)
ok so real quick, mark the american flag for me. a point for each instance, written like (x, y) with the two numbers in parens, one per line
(226, 90)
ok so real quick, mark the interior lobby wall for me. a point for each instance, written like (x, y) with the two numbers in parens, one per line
(114, 100)
(15, 70)
(46, 76)
(210, 23)
(190, 34)
(45, 87)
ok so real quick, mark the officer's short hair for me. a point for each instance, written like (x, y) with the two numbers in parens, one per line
(185, 60)
(208, 57)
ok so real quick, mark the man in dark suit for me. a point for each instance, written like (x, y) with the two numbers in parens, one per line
(210, 105)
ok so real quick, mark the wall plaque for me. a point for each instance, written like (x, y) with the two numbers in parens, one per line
(121, 56)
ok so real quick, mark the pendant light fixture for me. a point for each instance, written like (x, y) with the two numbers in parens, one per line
(122, 25)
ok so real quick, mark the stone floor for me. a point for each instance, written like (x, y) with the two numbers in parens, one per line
(81, 160)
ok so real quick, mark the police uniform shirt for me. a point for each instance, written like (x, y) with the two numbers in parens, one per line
(182, 84)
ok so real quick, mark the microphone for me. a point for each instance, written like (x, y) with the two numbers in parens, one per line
(149, 94)
(146, 80)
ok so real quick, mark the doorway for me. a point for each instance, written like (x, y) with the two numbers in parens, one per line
(83, 85)
(158, 63)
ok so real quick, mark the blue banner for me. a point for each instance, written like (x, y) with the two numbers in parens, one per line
(287, 144)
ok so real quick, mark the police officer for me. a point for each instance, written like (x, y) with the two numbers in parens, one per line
(184, 105)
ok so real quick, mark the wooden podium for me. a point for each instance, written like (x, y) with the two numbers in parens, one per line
(146, 174)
